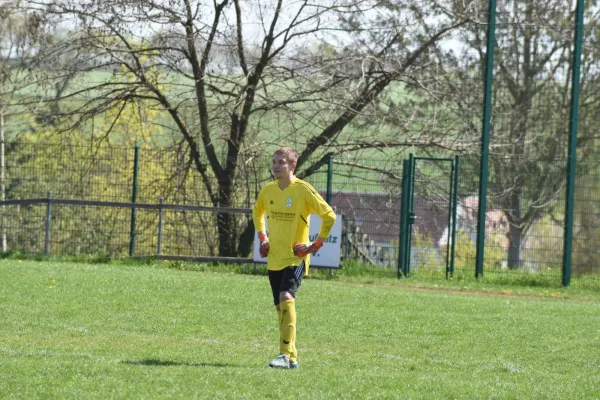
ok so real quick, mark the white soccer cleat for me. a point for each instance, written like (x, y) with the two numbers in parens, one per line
(282, 361)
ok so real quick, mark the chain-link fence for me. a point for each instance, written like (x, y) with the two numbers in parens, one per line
(367, 193)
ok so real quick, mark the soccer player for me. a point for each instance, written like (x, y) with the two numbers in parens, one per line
(288, 203)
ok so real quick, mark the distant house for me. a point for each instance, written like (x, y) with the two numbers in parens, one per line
(373, 221)
(378, 215)
(496, 223)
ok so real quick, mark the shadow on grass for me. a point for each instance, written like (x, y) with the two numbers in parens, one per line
(161, 363)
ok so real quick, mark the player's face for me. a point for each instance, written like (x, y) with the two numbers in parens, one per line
(281, 166)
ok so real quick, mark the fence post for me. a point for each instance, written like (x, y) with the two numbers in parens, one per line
(454, 212)
(572, 155)
(160, 225)
(485, 138)
(329, 178)
(48, 217)
(410, 216)
(345, 237)
(450, 219)
(406, 216)
(329, 187)
(133, 199)
(403, 215)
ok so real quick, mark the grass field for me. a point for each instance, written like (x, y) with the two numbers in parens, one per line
(79, 330)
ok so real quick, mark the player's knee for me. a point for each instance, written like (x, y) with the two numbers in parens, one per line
(284, 296)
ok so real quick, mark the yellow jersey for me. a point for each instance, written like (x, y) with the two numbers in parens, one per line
(288, 213)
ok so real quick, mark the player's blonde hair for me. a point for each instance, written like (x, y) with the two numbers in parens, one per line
(290, 154)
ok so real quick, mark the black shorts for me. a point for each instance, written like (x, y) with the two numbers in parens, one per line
(286, 280)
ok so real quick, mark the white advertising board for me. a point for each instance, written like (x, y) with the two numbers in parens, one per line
(328, 255)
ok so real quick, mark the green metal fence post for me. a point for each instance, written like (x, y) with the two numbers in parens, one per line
(133, 199)
(454, 212)
(48, 219)
(485, 138)
(329, 178)
(160, 227)
(410, 212)
(450, 219)
(403, 221)
(572, 157)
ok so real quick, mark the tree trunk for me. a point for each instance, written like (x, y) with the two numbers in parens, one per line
(246, 240)
(225, 224)
(226, 221)
(515, 241)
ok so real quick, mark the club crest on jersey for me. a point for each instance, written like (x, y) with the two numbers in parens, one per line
(288, 202)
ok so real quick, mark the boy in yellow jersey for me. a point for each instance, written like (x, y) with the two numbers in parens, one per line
(288, 203)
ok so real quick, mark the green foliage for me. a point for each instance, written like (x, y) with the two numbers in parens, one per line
(425, 255)
(83, 164)
(586, 254)
(543, 246)
(466, 251)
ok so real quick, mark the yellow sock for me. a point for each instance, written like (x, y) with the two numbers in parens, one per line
(278, 317)
(287, 329)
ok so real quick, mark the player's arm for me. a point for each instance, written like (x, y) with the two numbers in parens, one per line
(319, 206)
(327, 215)
(258, 216)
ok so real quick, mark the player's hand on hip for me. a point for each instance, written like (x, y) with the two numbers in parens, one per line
(302, 250)
(264, 245)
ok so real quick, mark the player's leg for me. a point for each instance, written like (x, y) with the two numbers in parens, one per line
(287, 330)
(275, 277)
(292, 278)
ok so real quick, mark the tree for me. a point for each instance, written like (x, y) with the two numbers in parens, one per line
(276, 99)
(20, 34)
(531, 103)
